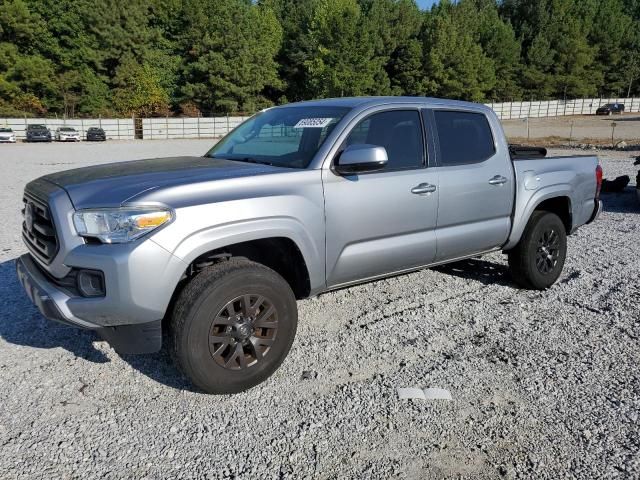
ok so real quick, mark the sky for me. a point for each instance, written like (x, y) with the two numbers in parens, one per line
(426, 3)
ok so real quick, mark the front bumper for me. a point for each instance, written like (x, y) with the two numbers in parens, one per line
(53, 304)
(45, 295)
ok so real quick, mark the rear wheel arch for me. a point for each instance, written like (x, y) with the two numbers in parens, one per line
(561, 206)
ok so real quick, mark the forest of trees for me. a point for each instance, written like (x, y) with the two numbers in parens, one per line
(207, 57)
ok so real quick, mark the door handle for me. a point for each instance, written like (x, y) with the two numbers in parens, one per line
(498, 180)
(423, 188)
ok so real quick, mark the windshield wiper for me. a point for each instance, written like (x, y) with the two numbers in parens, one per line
(253, 160)
(244, 159)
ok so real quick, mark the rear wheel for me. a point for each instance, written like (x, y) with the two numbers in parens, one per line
(538, 259)
(233, 325)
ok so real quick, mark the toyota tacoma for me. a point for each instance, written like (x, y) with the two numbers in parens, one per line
(298, 200)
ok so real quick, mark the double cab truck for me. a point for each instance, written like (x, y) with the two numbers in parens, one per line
(214, 251)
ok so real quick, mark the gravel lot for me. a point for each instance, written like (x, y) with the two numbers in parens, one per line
(544, 384)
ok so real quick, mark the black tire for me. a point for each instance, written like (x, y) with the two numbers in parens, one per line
(537, 261)
(207, 338)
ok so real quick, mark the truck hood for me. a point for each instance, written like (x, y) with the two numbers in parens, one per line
(114, 184)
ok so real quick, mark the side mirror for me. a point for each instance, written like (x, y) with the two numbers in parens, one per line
(361, 158)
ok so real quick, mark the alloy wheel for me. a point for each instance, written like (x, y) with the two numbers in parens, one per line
(548, 251)
(243, 332)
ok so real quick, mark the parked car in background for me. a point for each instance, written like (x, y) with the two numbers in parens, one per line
(610, 109)
(38, 133)
(298, 200)
(67, 134)
(96, 134)
(7, 135)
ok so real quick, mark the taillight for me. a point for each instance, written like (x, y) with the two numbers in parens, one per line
(598, 181)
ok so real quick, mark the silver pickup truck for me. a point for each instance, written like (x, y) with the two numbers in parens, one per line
(298, 200)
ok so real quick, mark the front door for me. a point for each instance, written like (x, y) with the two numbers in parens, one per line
(382, 222)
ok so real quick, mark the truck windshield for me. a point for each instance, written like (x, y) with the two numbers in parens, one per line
(283, 137)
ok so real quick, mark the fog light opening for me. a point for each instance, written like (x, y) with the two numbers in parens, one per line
(91, 283)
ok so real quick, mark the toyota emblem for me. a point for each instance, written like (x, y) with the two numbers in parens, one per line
(28, 216)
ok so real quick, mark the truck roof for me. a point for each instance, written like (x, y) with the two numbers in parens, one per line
(353, 102)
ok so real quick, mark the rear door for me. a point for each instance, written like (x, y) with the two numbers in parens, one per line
(382, 222)
(476, 184)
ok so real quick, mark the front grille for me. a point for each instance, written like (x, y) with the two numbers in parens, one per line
(38, 229)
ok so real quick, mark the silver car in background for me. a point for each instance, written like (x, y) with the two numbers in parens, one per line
(67, 134)
(7, 135)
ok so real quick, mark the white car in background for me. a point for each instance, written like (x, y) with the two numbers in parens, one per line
(7, 135)
(67, 134)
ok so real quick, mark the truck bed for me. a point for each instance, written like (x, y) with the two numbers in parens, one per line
(572, 178)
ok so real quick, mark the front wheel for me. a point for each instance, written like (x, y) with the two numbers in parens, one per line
(537, 261)
(233, 325)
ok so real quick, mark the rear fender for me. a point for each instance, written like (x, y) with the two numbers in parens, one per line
(523, 213)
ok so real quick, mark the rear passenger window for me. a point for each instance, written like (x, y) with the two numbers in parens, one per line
(398, 131)
(464, 137)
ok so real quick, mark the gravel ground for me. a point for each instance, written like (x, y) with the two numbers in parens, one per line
(544, 384)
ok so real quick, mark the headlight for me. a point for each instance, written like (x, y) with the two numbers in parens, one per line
(120, 225)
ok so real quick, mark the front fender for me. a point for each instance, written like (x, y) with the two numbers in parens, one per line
(219, 236)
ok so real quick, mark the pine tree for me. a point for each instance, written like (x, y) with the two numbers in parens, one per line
(559, 60)
(229, 47)
(139, 92)
(406, 69)
(341, 64)
(392, 26)
(26, 84)
(455, 64)
(295, 18)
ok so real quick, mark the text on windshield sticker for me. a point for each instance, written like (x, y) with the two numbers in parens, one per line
(313, 123)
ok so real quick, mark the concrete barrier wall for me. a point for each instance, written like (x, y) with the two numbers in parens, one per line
(559, 108)
(199, 127)
(115, 128)
(216, 127)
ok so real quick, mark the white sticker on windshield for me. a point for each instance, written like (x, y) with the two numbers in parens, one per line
(313, 123)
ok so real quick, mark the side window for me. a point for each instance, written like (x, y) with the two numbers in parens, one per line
(464, 137)
(398, 131)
